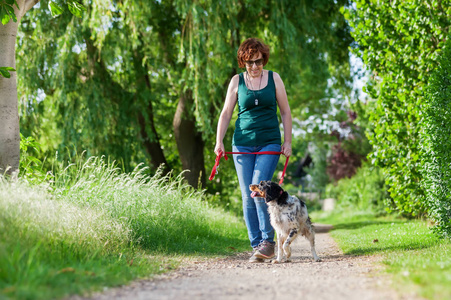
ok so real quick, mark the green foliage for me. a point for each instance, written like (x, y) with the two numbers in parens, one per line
(399, 41)
(74, 7)
(96, 75)
(93, 226)
(4, 71)
(437, 144)
(55, 9)
(31, 168)
(365, 191)
(7, 11)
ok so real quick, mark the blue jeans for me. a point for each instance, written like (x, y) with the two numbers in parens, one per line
(251, 169)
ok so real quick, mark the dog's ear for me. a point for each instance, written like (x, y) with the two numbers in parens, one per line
(272, 190)
(277, 189)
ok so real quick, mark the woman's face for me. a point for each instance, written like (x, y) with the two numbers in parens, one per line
(254, 66)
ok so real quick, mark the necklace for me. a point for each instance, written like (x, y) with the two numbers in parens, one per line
(253, 92)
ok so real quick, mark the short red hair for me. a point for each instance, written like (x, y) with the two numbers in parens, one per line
(249, 48)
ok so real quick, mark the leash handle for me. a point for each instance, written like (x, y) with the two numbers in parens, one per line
(214, 171)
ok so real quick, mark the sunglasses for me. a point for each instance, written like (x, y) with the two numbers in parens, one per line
(258, 62)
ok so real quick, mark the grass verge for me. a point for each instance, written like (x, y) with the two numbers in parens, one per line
(417, 259)
(95, 227)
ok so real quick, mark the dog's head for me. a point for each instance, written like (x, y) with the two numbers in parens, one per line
(267, 189)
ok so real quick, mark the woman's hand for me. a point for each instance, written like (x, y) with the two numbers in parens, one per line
(219, 148)
(286, 149)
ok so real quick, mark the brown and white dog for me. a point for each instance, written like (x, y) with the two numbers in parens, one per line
(288, 216)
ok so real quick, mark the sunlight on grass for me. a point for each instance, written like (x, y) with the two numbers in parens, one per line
(95, 227)
(428, 268)
(383, 235)
(417, 258)
(162, 212)
(35, 212)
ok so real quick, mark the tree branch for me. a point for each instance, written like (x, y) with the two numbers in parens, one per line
(28, 4)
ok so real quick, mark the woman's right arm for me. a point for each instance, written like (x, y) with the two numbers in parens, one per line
(226, 114)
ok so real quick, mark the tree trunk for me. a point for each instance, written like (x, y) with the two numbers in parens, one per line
(9, 114)
(148, 131)
(189, 141)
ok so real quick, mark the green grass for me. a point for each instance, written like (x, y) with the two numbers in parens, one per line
(417, 258)
(95, 227)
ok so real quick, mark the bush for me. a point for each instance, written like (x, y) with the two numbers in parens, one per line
(437, 141)
(30, 167)
(399, 41)
(365, 191)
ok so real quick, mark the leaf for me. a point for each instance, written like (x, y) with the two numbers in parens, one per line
(4, 16)
(4, 71)
(34, 159)
(55, 9)
(76, 8)
(5, 74)
(10, 11)
(10, 2)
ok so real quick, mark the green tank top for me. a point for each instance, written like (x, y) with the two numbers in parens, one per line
(257, 123)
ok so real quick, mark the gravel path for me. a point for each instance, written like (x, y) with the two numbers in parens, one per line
(336, 277)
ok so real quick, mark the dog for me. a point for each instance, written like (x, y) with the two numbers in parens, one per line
(288, 216)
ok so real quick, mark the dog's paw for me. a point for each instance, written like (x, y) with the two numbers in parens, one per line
(275, 261)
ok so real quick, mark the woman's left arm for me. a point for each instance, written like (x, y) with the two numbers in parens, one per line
(285, 113)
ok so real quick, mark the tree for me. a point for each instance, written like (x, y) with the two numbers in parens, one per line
(126, 66)
(9, 120)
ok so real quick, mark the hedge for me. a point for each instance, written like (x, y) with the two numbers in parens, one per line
(437, 144)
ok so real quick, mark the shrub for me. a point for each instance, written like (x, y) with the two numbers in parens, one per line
(399, 41)
(365, 191)
(437, 141)
(31, 167)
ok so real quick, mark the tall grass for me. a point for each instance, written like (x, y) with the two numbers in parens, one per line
(95, 226)
(162, 212)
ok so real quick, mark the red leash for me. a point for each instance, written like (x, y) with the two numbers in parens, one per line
(214, 171)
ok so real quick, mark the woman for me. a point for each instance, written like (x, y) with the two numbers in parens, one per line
(258, 92)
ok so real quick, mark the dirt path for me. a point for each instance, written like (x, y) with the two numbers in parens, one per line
(336, 277)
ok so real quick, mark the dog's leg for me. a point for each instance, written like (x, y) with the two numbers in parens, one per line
(310, 235)
(280, 241)
(287, 244)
